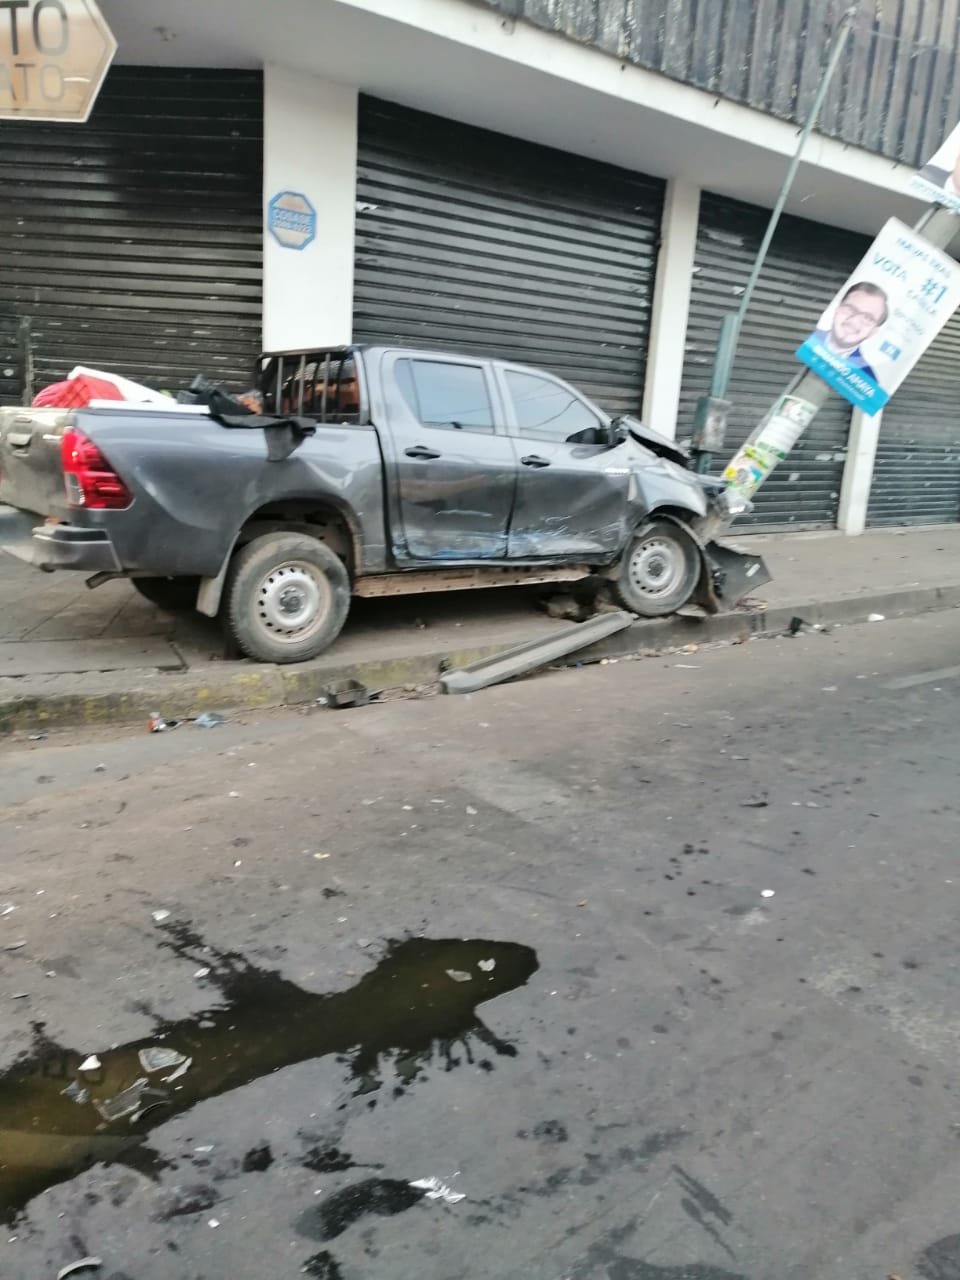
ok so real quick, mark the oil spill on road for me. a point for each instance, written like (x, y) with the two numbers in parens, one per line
(407, 1012)
(384, 1197)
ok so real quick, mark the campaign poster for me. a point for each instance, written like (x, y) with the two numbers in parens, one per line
(939, 179)
(883, 319)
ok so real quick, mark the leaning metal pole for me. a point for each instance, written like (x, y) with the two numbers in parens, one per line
(938, 226)
(713, 410)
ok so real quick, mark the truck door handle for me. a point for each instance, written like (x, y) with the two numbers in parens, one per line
(534, 460)
(421, 451)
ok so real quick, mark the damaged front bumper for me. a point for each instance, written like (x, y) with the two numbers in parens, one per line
(728, 576)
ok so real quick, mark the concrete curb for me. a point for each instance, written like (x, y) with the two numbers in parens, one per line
(128, 697)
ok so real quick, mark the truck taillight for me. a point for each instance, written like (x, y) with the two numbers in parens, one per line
(89, 478)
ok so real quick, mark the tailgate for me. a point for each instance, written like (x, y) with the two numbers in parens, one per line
(31, 476)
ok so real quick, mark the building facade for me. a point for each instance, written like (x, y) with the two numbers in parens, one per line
(579, 184)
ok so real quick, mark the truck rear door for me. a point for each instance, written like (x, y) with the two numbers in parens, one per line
(452, 469)
(31, 474)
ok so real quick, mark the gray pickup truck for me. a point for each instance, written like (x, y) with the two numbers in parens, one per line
(369, 471)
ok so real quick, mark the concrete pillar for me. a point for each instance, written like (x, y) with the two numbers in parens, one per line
(858, 472)
(309, 197)
(671, 306)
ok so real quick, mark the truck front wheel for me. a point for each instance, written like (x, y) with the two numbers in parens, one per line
(287, 597)
(659, 571)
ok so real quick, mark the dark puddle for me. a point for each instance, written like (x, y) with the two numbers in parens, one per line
(384, 1197)
(56, 1121)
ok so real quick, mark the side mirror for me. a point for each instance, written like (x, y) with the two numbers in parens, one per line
(613, 434)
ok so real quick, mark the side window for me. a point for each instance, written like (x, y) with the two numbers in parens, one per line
(446, 395)
(547, 411)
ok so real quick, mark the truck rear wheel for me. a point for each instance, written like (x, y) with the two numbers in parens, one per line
(175, 595)
(659, 571)
(287, 597)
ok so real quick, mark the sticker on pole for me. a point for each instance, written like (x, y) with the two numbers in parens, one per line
(884, 318)
(767, 446)
(292, 220)
(939, 179)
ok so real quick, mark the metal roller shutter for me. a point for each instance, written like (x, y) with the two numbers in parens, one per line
(916, 477)
(807, 264)
(473, 241)
(133, 242)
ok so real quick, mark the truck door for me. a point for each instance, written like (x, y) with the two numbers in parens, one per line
(572, 487)
(453, 467)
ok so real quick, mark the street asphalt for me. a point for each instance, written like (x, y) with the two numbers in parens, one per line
(654, 964)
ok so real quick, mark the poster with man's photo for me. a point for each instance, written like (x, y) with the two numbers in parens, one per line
(939, 179)
(884, 318)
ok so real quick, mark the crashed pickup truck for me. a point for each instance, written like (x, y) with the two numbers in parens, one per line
(364, 471)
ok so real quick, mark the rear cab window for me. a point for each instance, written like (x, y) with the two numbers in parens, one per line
(442, 393)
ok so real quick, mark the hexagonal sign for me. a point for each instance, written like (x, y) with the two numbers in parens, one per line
(292, 220)
(54, 55)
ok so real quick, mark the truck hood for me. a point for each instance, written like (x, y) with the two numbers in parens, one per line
(653, 440)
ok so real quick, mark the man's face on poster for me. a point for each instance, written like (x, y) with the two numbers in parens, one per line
(858, 318)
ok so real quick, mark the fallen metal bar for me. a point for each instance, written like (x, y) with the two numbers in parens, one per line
(523, 658)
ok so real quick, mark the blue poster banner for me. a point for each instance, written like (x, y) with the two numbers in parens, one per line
(883, 319)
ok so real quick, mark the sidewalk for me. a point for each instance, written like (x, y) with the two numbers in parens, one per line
(69, 655)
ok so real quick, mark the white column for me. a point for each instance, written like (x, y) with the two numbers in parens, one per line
(671, 306)
(858, 472)
(310, 182)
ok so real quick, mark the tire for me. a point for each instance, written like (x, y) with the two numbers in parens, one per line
(175, 595)
(659, 571)
(287, 597)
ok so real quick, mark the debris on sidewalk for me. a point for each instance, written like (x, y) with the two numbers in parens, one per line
(82, 1264)
(755, 802)
(346, 693)
(209, 720)
(157, 724)
(160, 915)
(524, 658)
(437, 1190)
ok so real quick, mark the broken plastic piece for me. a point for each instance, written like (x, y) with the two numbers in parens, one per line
(876, 617)
(158, 1058)
(347, 693)
(160, 916)
(209, 720)
(523, 658)
(82, 1264)
(458, 975)
(437, 1190)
